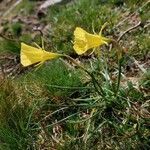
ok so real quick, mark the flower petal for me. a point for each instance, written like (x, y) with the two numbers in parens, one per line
(31, 55)
(79, 33)
(84, 41)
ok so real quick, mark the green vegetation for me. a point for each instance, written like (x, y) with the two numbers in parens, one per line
(58, 105)
(16, 29)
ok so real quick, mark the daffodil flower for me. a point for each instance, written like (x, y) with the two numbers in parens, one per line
(31, 55)
(85, 41)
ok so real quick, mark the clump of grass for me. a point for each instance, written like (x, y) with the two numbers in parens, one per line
(14, 114)
(16, 29)
(10, 46)
(84, 121)
(57, 79)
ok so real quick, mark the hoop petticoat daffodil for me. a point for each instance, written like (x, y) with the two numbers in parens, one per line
(31, 55)
(84, 41)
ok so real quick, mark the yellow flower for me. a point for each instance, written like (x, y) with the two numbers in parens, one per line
(31, 55)
(85, 41)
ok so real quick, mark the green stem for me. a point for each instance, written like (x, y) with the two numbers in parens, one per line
(119, 76)
(77, 64)
(120, 60)
(94, 81)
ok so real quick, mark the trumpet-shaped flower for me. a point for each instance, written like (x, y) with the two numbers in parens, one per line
(31, 55)
(85, 41)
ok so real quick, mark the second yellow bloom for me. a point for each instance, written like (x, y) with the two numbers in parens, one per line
(84, 41)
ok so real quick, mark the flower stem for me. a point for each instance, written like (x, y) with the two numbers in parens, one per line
(97, 87)
(120, 60)
(119, 76)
